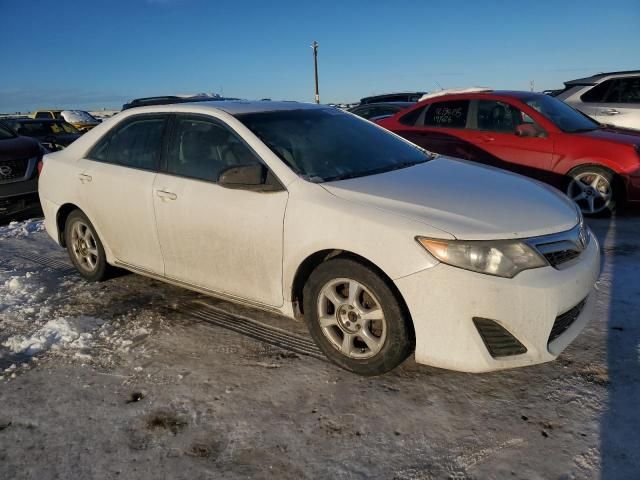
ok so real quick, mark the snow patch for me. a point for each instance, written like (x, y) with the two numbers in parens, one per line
(73, 332)
(21, 229)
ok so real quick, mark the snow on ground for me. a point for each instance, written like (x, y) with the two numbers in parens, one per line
(107, 380)
(21, 229)
(74, 332)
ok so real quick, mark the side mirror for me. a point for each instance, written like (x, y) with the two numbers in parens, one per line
(529, 130)
(254, 176)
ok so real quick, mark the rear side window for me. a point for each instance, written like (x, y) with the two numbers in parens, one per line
(451, 114)
(44, 115)
(135, 144)
(203, 149)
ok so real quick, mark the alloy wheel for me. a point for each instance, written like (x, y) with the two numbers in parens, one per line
(84, 246)
(351, 318)
(591, 191)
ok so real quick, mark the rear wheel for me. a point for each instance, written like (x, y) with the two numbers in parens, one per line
(355, 318)
(85, 248)
(594, 189)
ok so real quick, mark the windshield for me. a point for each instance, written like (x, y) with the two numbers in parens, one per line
(326, 144)
(5, 133)
(562, 115)
(35, 128)
(78, 116)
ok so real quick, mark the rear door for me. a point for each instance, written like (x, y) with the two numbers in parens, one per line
(116, 185)
(492, 130)
(439, 127)
(228, 241)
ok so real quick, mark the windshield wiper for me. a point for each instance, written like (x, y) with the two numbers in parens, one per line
(376, 171)
(581, 130)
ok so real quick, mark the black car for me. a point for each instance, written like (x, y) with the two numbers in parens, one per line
(19, 158)
(375, 111)
(52, 134)
(393, 97)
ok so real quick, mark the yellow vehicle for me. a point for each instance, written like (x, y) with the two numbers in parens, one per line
(80, 119)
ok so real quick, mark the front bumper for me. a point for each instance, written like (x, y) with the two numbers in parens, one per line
(18, 197)
(443, 301)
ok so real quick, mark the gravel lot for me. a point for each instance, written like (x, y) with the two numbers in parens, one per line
(122, 380)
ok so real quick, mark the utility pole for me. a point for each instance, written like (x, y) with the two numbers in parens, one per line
(315, 68)
(532, 85)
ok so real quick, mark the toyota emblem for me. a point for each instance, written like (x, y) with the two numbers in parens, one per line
(582, 238)
(5, 171)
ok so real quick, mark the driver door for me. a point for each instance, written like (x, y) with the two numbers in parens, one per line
(227, 241)
(493, 130)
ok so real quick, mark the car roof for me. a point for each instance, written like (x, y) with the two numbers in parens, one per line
(36, 120)
(382, 95)
(594, 78)
(382, 104)
(519, 94)
(232, 107)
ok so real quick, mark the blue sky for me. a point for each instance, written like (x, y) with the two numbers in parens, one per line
(90, 54)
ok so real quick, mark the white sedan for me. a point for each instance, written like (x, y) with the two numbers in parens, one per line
(308, 211)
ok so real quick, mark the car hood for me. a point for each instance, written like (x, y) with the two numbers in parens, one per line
(467, 200)
(618, 135)
(18, 147)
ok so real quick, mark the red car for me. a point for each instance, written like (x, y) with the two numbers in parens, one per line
(532, 134)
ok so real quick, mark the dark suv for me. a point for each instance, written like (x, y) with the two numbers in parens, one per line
(19, 158)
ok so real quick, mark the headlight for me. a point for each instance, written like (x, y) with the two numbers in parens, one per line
(503, 258)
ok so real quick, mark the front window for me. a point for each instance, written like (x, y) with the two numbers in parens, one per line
(496, 116)
(560, 114)
(322, 145)
(203, 149)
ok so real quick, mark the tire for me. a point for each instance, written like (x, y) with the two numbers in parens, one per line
(595, 190)
(85, 248)
(368, 334)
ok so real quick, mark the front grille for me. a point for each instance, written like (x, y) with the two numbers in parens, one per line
(498, 341)
(13, 169)
(561, 256)
(564, 321)
(561, 248)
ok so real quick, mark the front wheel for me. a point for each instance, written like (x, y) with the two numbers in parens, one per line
(355, 318)
(593, 189)
(85, 248)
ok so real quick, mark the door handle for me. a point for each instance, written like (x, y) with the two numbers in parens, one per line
(163, 194)
(84, 178)
(611, 111)
(488, 138)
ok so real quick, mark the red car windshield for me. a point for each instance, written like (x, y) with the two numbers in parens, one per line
(560, 114)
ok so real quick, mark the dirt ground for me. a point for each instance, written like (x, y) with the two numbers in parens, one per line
(150, 390)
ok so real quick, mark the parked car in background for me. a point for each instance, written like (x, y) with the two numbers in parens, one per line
(170, 99)
(393, 97)
(19, 158)
(52, 134)
(376, 111)
(610, 98)
(304, 209)
(532, 134)
(80, 119)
